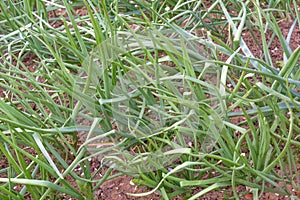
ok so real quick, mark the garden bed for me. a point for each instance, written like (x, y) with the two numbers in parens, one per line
(149, 100)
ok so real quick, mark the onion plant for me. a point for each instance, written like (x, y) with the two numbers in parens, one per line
(170, 93)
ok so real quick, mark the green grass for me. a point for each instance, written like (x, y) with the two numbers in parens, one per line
(154, 87)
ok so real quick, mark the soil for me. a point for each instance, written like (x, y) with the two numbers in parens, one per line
(275, 47)
(119, 188)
